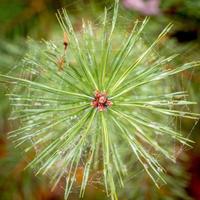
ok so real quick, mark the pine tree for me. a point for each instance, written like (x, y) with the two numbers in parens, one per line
(100, 102)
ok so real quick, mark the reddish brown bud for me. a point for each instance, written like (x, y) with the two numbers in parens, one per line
(109, 103)
(65, 41)
(61, 63)
(101, 101)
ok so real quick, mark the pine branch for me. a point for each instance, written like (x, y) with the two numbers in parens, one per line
(81, 104)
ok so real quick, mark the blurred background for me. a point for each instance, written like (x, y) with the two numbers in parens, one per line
(23, 19)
